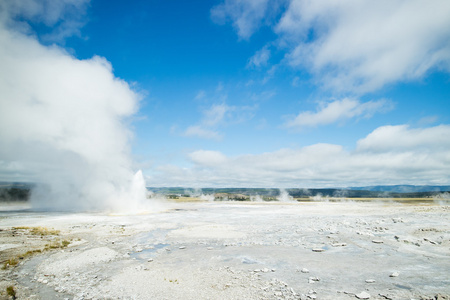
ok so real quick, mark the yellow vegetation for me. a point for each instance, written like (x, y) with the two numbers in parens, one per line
(38, 230)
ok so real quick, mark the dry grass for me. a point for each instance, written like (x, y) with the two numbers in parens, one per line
(42, 231)
(187, 199)
(10, 263)
(57, 245)
(10, 291)
(52, 246)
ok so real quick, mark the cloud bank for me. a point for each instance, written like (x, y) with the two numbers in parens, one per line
(63, 120)
(388, 155)
(350, 45)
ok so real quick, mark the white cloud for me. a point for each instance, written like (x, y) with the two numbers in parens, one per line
(259, 59)
(218, 116)
(208, 158)
(246, 16)
(200, 95)
(201, 132)
(351, 45)
(62, 119)
(338, 110)
(215, 114)
(388, 155)
(364, 45)
(401, 137)
(63, 18)
(212, 118)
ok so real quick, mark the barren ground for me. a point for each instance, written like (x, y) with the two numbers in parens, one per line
(231, 250)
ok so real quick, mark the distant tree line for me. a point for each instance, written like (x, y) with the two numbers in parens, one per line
(14, 194)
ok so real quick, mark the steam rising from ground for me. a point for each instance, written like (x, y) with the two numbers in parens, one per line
(284, 196)
(62, 124)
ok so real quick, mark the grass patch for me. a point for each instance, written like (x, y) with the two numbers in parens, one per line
(52, 246)
(57, 245)
(42, 231)
(10, 291)
(10, 263)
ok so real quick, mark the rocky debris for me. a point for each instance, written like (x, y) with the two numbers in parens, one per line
(312, 294)
(387, 296)
(339, 244)
(313, 279)
(394, 274)
(363, 295)
(318, 250)
(280, 290)
(430, 241)
(304, 270)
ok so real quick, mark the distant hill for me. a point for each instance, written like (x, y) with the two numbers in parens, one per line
(397, 191)
(404, 188)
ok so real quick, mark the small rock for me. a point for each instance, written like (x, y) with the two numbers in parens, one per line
(318, 250)
(304, 270)
(150, 260)
(313, 279)
(363, 295)
(370, 281)
(182, 247)
(339, 244)
(387, 296)
(377, 241)
(395, 274)
(209, 248)
(265, 270)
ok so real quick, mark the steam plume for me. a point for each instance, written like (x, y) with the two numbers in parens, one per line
(62, 124)
(284, 196)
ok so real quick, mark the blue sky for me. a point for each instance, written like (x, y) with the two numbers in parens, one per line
(266, 93)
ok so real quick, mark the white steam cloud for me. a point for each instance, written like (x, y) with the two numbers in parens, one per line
(284, 196)
(62, 120)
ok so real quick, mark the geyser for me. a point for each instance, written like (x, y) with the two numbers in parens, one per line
(63, 123)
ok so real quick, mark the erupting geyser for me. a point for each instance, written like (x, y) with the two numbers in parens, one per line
(63, 122)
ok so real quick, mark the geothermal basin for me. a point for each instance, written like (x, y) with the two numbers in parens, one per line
(230, 250)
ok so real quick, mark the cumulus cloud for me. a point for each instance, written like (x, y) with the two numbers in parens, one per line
(354, 46)
(62, 120)
(366, 45)
(388, 155)
(338, 110)
(398, 138)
